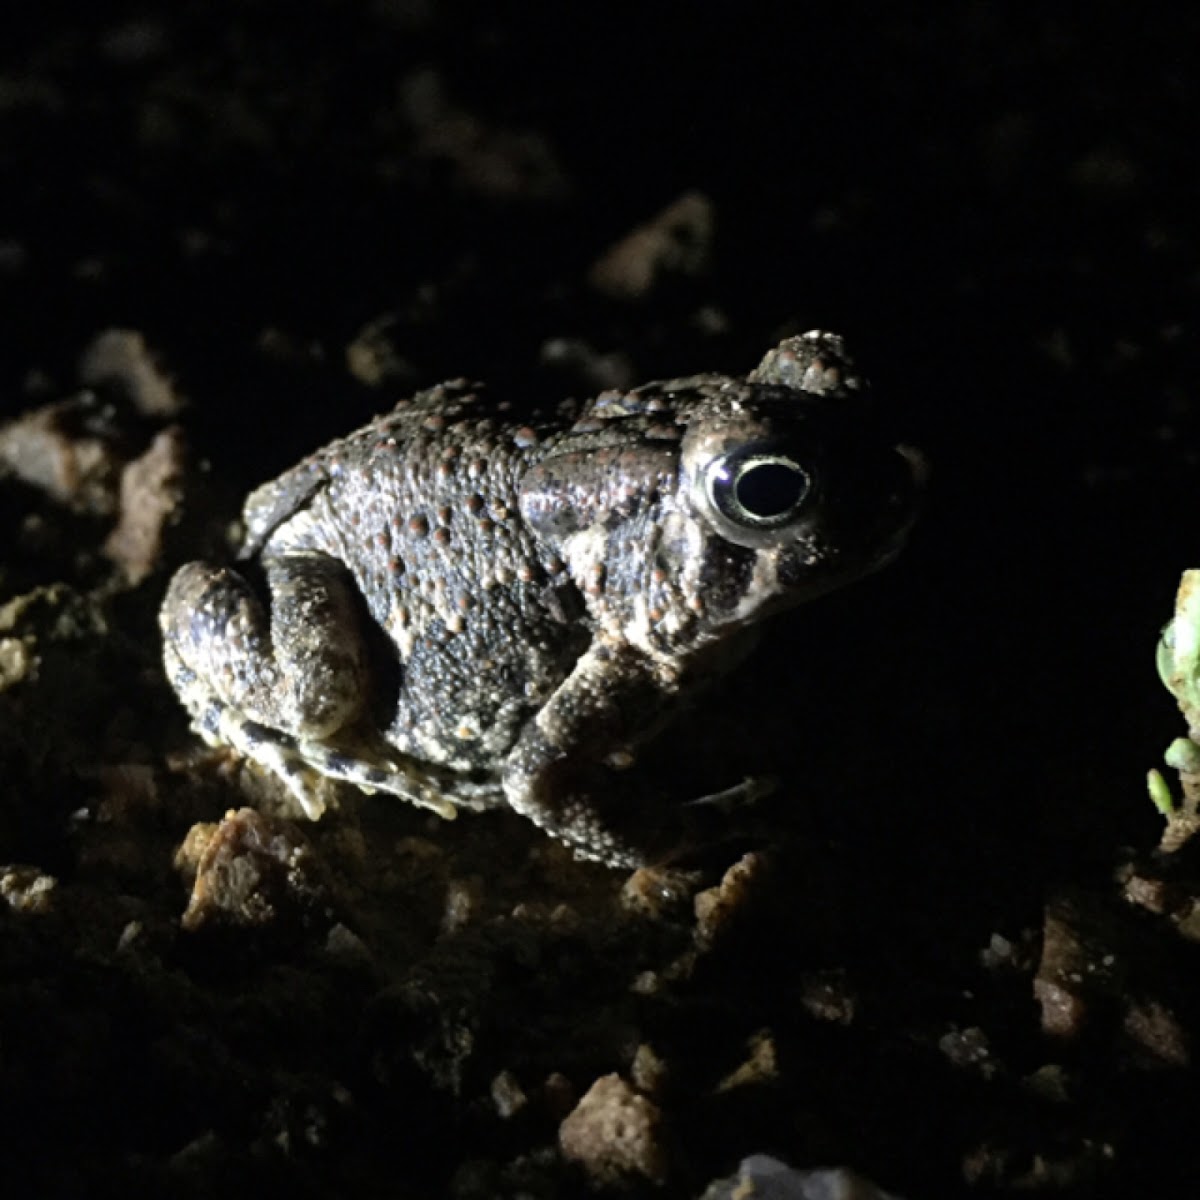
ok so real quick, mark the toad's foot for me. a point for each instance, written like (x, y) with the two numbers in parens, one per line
(301, 763)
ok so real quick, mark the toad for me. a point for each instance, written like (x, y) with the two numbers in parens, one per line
(466, 610)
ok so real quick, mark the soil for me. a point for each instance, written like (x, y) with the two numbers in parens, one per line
(947, 951)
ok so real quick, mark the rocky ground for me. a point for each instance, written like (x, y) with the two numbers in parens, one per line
(947, 951)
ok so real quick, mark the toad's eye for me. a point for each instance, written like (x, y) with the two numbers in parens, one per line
(758, 491)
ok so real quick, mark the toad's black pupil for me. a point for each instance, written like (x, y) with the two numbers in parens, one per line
(770, 489)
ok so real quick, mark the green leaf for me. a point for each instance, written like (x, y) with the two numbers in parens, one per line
(1160, 794)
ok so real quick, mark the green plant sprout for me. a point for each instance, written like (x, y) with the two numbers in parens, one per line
(1160, 793)
(1178, 662)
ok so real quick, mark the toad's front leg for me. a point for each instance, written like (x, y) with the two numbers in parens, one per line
(555, 774)
(287, 690)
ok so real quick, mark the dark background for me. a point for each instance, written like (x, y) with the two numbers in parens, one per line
(995, 205)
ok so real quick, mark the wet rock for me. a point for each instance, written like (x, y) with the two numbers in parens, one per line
(1096, 978)
(151, 494)
(374, 358)
(765, 1178)
(676, 242)
(251, 871)
(507, 1095)
(57, 666)
(486, 159)
(615, 1134)
(120, 360)
(969, 1050)
(1158, 1034)
(657, 893)
(761, 1064)
(1073, 1168)
(828, 996)
(648, 1070)
(27, 889)
(1076, 966)
(70, 451)
(717, 909)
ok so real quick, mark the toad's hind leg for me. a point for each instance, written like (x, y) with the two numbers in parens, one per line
(301, 670)
(301, 765)
(278, 688)
(219, 724)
